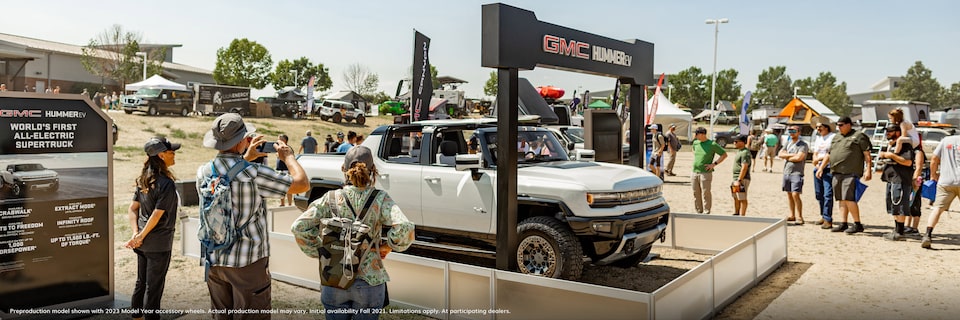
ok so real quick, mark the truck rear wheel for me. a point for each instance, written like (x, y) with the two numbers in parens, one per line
(548, 248)
(337, 117)
(361, 119)
(152, 111)
(184, 112)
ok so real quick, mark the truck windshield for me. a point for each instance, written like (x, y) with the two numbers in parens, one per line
(574, 134)
(532, 147)
(28, 167)
(148, 92)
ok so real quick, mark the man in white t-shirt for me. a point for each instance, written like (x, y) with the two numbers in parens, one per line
(947, 177)
(823, 179)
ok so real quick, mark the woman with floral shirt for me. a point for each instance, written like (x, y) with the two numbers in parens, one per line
(369, 289)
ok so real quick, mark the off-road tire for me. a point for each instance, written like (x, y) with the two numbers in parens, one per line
(562, 257)
(128, 111)
(17, 190)
(337, 117)
(361, 119)
(324, 118)
(633, 260)
(152, 111)
(184, 112)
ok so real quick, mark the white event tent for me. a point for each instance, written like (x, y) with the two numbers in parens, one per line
(668, 113)
(156, 81)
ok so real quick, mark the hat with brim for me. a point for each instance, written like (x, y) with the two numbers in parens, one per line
(158, 145)
(226, 132)
(358, 154)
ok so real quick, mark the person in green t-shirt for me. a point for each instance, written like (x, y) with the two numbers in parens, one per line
(770, 143)
(704, 151)
(741, 175)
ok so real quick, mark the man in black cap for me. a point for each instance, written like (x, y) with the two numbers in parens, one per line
(328, 142)
(238, 277)
(898, 174)
(742, 162)
(849, 156)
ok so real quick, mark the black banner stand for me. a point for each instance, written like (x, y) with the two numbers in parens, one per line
(56, 208)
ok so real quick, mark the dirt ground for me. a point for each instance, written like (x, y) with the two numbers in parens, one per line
(827, 276)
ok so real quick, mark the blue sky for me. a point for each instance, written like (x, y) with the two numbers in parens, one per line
(860, 42)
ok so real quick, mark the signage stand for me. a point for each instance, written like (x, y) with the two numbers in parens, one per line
(56, 207)
(513, 39)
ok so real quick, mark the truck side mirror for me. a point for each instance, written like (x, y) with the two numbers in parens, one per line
(470, 162)
(571, 146)
(584, 155)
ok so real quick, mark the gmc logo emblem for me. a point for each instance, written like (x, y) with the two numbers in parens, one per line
(573, 48)
(8, 113)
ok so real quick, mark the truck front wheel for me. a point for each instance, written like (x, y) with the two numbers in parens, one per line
(548, 248)
(152, 111)
(18, 190)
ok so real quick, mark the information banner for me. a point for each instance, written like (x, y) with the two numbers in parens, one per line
(55, 211)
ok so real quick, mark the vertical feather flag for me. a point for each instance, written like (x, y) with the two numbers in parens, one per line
(744, 121)
(656, 99)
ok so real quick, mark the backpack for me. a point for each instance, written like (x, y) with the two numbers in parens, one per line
(344, 241)
(218, 230)
(756, 143)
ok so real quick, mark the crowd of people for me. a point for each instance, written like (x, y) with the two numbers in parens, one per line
(840, 160)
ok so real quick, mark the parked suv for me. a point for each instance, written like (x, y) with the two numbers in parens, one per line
(29, 176)
(339, 111)
(930, 137)
(155, 101)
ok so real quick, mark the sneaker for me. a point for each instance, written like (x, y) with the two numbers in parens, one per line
(893, 236)
(821, 221)
(855, 228)
(840, 227)
(925, 243)
(826, 225)
(909, 230)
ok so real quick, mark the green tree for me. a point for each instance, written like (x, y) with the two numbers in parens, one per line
(360, 79)
(297, 73)
(490, 88)
(690, 88)
(919, 85)
(112, 54)
(951, 97)
(826, 90)
(244, 63)
(377, 98)
(773, 87)
(433, 76)
(727, 87)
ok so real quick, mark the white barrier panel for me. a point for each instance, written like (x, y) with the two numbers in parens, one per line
(189, 242)
(747, 249)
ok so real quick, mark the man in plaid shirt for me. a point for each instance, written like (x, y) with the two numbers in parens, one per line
(239, 277)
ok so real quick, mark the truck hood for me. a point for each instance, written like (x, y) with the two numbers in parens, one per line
(585, 174)
(29, 175)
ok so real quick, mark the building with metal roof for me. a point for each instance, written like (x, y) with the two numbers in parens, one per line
(28, 64)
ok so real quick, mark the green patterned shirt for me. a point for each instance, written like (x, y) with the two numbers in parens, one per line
(383, 212)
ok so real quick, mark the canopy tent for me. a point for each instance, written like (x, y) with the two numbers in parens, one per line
(668, 113)
(156, 81)
(599, 104)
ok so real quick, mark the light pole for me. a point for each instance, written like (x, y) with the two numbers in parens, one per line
(144, 55)
(670, 92)
(296, 78)
(713, 90)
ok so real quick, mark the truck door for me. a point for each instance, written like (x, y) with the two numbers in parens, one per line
(400, 172)
(452, 199)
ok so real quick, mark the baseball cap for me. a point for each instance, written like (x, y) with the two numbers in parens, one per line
(340, 134)
(156, 145)
(226, 132)
(741, 138)
(844, 120)
(652, 126)
(700, 130)
(357, 154)
(891, 127)
(673, 125)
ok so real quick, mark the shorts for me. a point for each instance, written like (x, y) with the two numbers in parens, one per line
(898, 199)
(793, 183)
(772, 152)
(945, 196)
(845, 187)
(753, 153)
(741, 196)
(655, 160)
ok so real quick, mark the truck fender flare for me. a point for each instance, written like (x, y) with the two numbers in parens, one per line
(535, 201)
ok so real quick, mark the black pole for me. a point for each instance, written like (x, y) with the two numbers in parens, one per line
(637, 131)
(507, 104)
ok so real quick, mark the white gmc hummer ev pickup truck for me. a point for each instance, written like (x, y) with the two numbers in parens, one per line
(567, 209)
